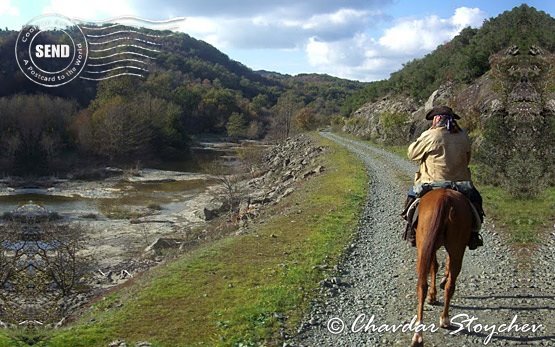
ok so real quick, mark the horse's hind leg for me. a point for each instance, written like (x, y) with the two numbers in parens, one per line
(421, 291)
(446, 276)
(454, 269)
(432, 294)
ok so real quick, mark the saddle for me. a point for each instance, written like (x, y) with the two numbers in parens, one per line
(464, 187)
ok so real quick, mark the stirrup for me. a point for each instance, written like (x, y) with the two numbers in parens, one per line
(409, 235)
(475, 241)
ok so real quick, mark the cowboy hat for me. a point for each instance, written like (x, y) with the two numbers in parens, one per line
(441, 110)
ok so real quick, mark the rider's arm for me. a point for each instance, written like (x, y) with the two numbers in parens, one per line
(469, 150)
(418, 149)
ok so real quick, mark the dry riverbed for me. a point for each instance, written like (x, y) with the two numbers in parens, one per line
(133, 220)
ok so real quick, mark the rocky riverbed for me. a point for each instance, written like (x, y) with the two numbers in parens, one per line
(133, 220)
(377, 278)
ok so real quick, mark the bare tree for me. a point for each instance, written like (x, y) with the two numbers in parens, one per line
(40, 263)
(284, 111)
(58, 252)
(229, 184)
(119, 130)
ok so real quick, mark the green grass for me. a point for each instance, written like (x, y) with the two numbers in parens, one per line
(239, 290)
(524, 220)
(6, 341)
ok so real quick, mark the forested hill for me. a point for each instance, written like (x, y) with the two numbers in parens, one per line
(194, 59)
(464, 58)
(190, 88)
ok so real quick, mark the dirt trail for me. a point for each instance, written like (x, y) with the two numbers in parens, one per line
(377, 278)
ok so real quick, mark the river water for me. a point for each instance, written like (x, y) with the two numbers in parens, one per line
(164, 189)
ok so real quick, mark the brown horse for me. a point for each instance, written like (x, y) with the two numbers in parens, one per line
(445, 219)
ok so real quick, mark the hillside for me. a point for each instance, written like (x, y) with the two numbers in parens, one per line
(464, 58)
(500, 78)
(190, 88)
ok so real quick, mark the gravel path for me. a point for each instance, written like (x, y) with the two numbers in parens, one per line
(377, 278)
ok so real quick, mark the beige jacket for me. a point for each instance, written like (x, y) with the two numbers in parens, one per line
(442, 156)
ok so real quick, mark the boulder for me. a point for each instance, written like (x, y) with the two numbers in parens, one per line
(212, 210)
(163, 243)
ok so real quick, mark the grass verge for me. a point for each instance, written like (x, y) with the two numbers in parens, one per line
(523, 219)
(242, 290)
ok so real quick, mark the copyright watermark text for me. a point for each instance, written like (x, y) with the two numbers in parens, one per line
(461, 323)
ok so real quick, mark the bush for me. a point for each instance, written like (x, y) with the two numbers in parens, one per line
(395, 127)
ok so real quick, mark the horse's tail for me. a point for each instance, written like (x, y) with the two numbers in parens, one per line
(438, 221)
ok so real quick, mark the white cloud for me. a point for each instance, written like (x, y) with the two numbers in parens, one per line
(359, 57)
(319, 53)
(334, 35)
(365, 58)
(418, 35)
(465, 16)
(6, 8)
(203, 28)
(270, 30)
(340, 17)
(335, 42)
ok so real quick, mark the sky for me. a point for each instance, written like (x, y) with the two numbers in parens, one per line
(363, 40)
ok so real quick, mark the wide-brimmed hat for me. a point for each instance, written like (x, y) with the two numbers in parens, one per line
(440, 110)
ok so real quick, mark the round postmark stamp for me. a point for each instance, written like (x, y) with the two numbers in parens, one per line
(51, 50)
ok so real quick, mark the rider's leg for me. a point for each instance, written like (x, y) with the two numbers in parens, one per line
(410, 234)
(475, 238)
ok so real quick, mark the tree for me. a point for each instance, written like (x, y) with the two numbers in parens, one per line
(119, 130)
(259, 102)
(236, 125)
(284, 111)
(305, 118)
(33, 131)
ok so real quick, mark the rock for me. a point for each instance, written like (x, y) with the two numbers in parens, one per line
(287, 192)
(212, 210)
(287, 176)
(143, 344)
(163, 243)
(430, 102)
(366, 122)
(118, 343)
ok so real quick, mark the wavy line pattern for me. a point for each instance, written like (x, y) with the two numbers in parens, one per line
(133, 18)
(118, 61)
(125, 38)
(118, 68)
(121, 53)
(111, 76)
(132, 47)
(119, 46)
(127, 32)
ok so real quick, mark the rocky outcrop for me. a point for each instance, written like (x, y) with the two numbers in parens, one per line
(285, 164)
(371, 121)
(280, 169)
(396, 119)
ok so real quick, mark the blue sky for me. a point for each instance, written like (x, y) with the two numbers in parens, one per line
(356, 39)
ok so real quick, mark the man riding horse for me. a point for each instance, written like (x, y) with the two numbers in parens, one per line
(443, 153)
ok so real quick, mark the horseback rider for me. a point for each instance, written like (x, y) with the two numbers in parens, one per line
(443, 153)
